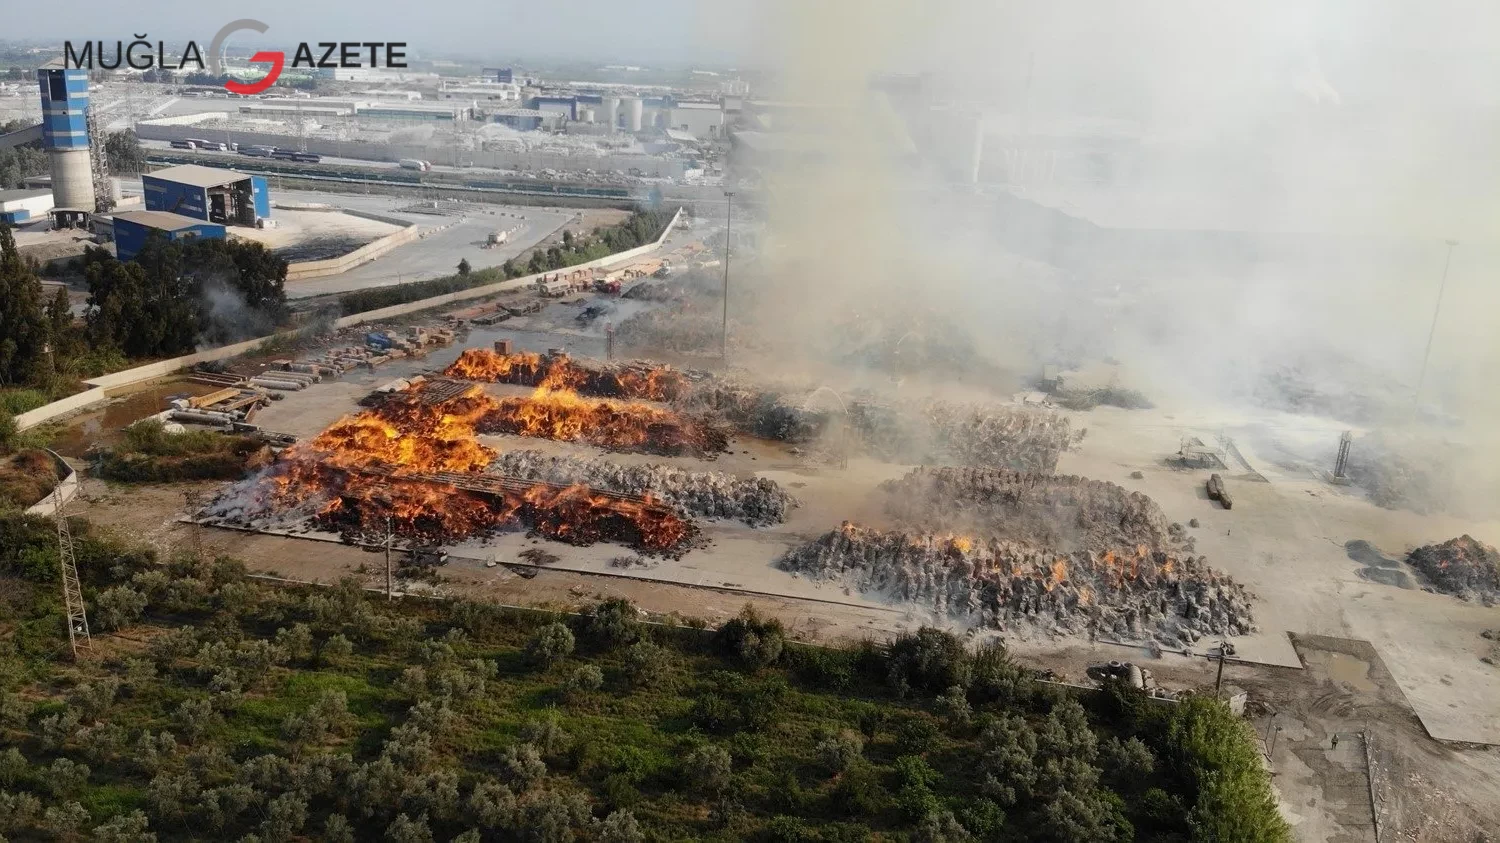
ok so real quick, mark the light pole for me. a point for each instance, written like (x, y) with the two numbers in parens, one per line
(728, 224)
(1437, 309)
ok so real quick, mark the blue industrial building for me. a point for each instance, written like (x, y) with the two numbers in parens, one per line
(564, 105)
(208, 193)
(133, 227)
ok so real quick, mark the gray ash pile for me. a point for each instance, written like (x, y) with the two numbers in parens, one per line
(1463, 567)
(1423, 473)
(1017, 587)
(1066, 512)
(710, 494)
(768, 413)
(911, 431)
(943, 432)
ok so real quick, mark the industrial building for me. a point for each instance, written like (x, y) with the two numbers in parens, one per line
(18, 206)
(65, 134)
(703, 120)
(523, 119)
(131, 229)
(457, 110)
(208, 193)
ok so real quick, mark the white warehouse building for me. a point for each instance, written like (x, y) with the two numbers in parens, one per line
(704, 120)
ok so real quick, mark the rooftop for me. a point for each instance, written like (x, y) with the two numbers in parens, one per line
(199, 176)
(22, 193)
(162, 220)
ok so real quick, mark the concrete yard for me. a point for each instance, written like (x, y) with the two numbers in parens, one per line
(445, 240)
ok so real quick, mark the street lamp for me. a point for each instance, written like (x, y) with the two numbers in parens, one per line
(728, 224)
(1436, 309)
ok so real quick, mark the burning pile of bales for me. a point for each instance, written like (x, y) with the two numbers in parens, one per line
(710, 494)
(412, 466)
(1464, 567)
(618, 425)
(555, 371)
(1017, 587)
(1048, 510)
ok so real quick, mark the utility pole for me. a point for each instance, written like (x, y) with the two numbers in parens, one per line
(389, 582)
(728, 226)
(1437, 309)
(78, 621)
(1219, 680)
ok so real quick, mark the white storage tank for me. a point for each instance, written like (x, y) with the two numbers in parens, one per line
(611, 111)
(634, 109)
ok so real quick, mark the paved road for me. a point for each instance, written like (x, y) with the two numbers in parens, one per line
(447, 240)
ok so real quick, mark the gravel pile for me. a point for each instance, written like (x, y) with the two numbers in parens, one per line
(1017, 587)
(1463, 567)
(1047, 510)
(710, 494)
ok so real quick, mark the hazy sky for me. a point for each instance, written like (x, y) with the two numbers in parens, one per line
(678, 31)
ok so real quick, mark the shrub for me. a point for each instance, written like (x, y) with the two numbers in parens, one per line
(646, 664)
(586, 678)
(707, 770)
(118, 607)
(550, 645)
(858, 792)
(524, 765)
(838, 751)
(941, 827)
(405, 829)
(917, 735)
(612, 624)
(547, 735)
(621, 827)
(753, 641)
(930, 661)
(491, 805)
(125, 828)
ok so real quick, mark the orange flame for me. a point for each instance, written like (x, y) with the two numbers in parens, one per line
(557, 373)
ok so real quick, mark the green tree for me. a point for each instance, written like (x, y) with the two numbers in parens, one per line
(123, 152)
(23, 321)
(707, 769)
(550, 645)
(1214, 755)
(612, 623)
(755, 641)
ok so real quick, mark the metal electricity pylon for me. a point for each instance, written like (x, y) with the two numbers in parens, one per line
(78, 621)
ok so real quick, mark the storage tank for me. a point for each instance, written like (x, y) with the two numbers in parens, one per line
(586, 115)
(611, 111)
(65, 134)
(634, 108)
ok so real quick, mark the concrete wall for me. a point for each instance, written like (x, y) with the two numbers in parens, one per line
(438, 154)
(368, 252)
(101, 386)
(68, 486)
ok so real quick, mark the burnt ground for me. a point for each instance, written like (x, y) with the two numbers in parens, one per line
(1424, 790)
